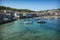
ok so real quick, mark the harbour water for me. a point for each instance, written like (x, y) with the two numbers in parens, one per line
(17, 30)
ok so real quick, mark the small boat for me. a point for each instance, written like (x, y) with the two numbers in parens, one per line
(28, 22)
(36, 19)
(41, 22)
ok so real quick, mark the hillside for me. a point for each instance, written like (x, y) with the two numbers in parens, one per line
(14, 9)
(27, 10)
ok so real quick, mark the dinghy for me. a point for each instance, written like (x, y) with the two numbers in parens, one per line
(28, 22)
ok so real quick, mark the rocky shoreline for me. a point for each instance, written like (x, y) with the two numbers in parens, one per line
(7, 21)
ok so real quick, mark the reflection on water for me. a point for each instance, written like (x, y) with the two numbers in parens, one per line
(19, 31)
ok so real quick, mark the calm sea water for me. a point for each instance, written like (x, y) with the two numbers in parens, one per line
(17, 30)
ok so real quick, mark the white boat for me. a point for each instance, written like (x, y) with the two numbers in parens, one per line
(28, 22)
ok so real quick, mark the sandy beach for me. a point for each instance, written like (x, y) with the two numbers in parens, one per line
(49, 17)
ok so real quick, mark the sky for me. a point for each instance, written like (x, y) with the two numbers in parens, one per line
(35, 5)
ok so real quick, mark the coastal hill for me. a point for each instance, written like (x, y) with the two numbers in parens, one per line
(44, 12)
(14, 9)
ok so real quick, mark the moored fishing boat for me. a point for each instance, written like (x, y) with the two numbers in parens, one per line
(41, 21)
